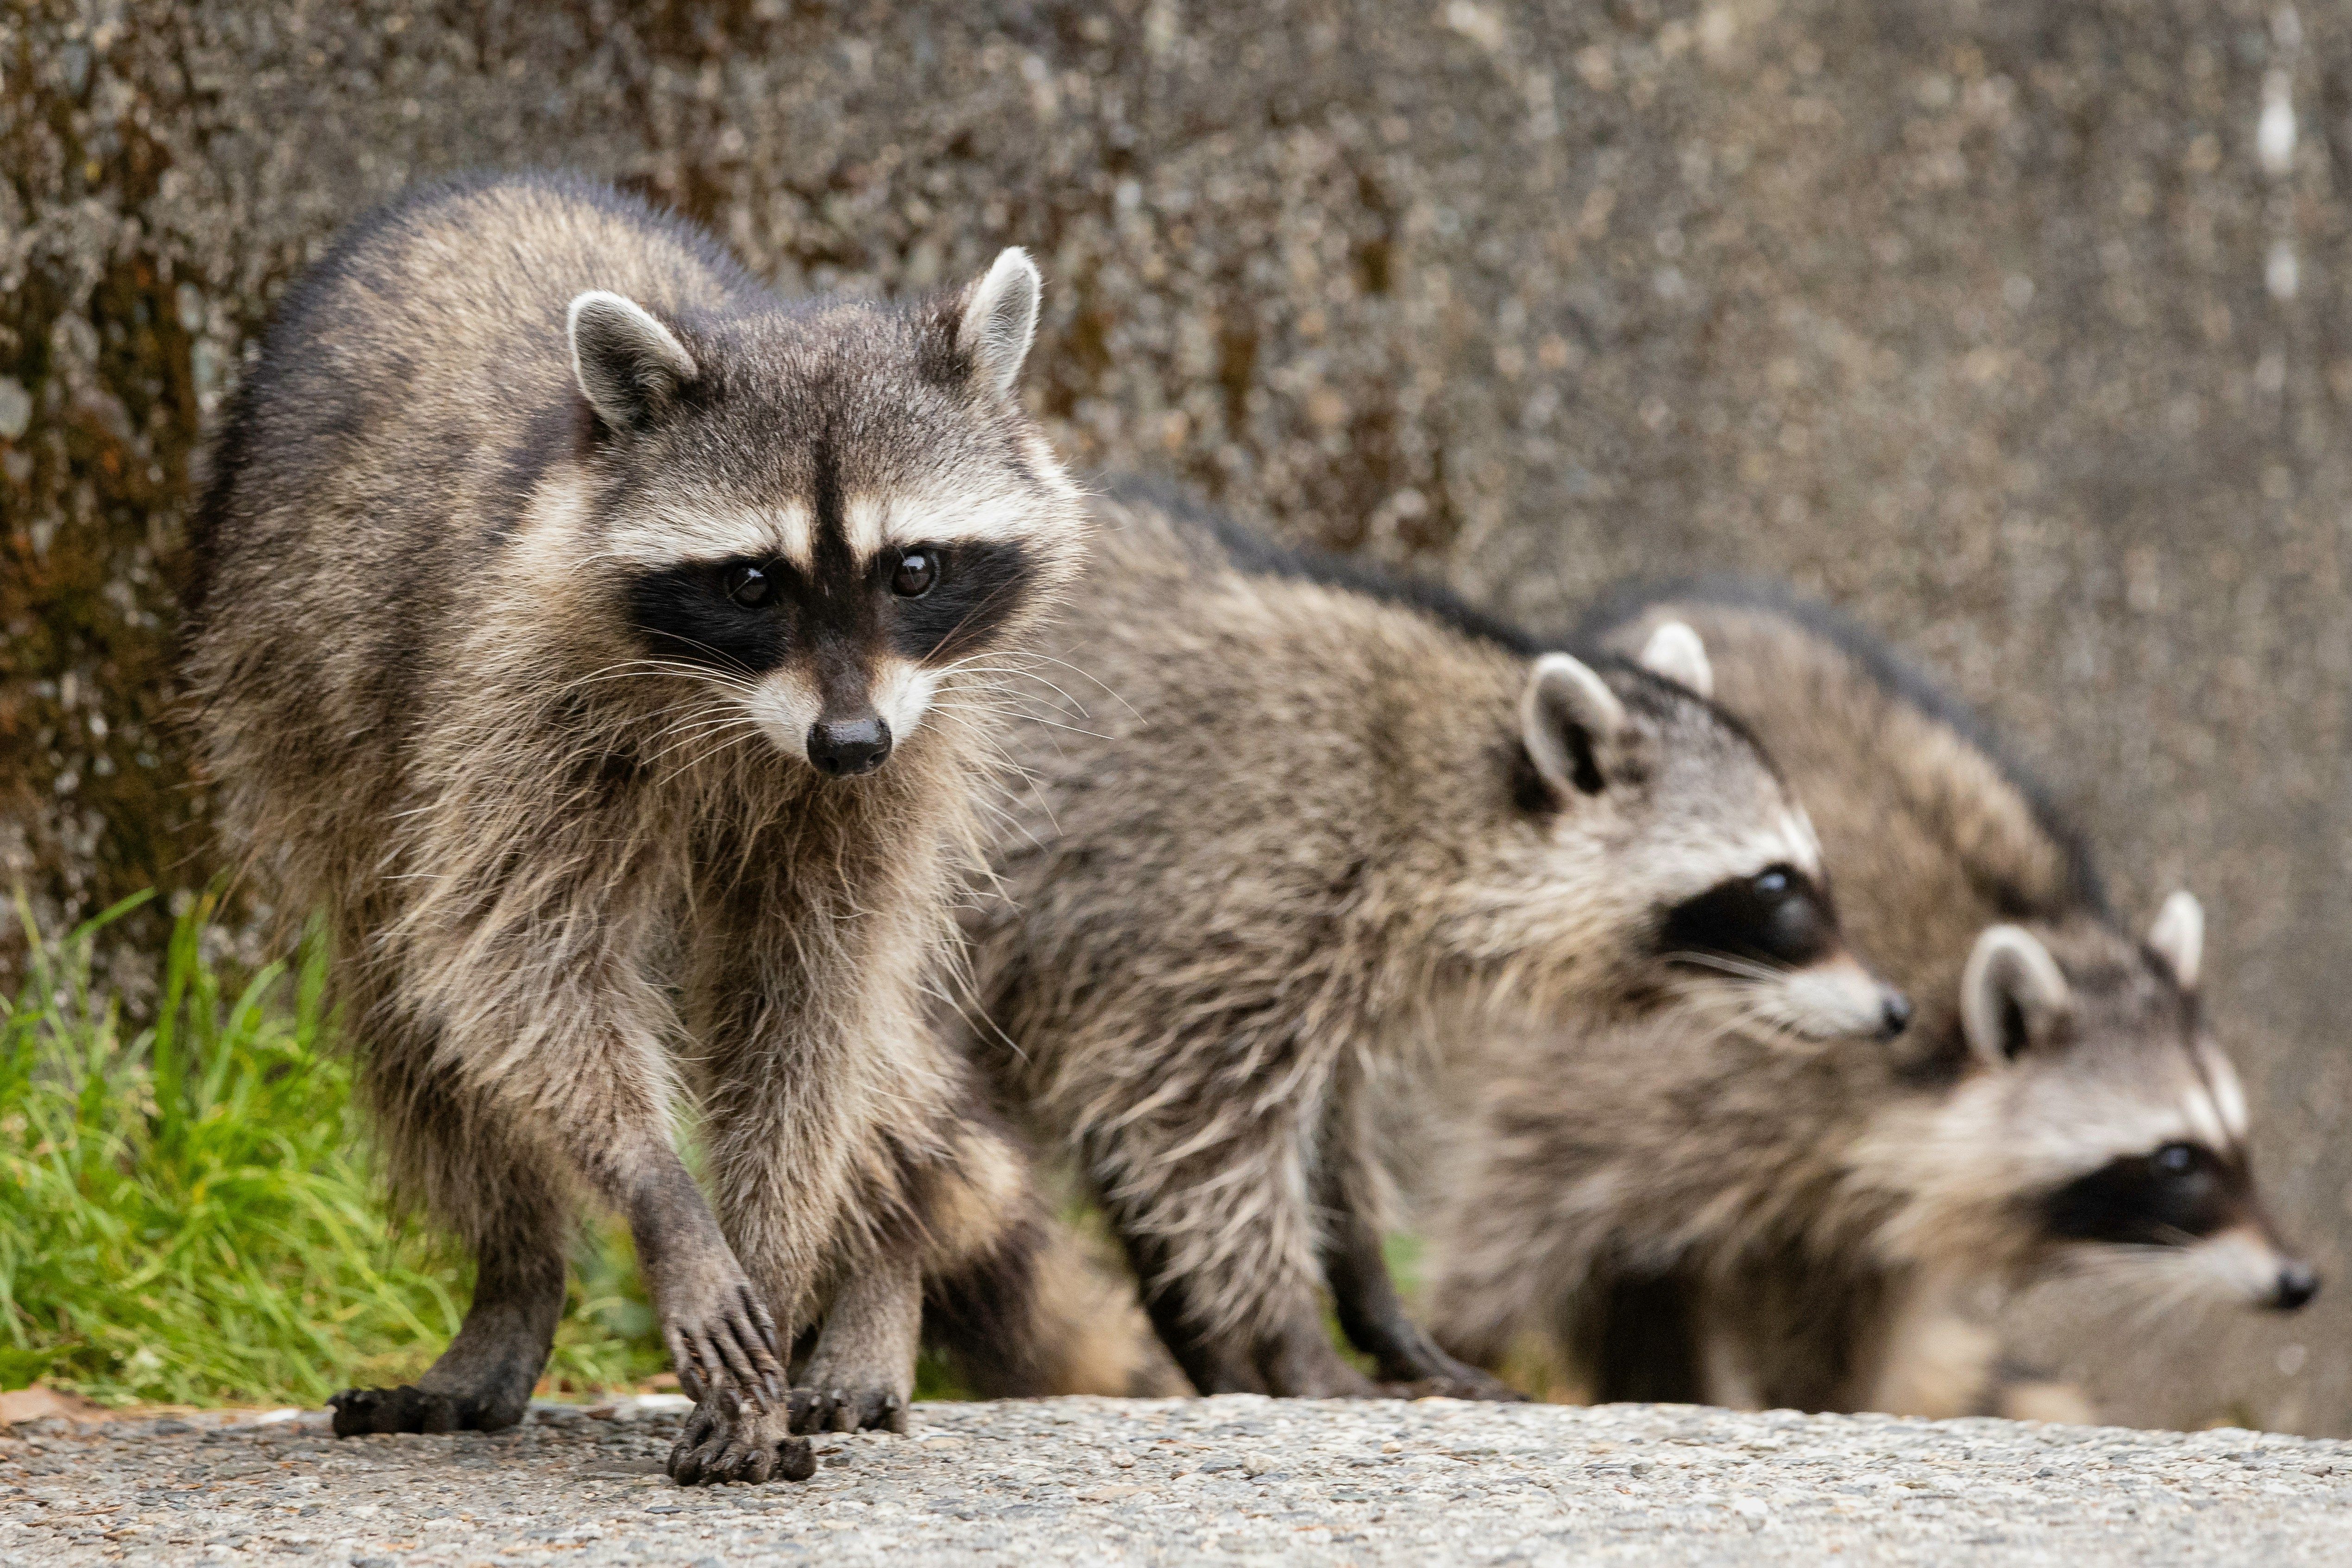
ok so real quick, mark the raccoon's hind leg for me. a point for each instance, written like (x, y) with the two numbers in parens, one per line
(511, 1211)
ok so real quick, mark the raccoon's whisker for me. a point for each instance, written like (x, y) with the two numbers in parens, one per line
(1068, 702)
(645, 665)
(1083, 674)
(712, 727)
(683, 735)
(704, 757)
(1029, 718)
(1000, 590)
(725, 659)
(1725, 963)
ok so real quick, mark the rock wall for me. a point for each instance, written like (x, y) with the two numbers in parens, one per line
(2016, 328)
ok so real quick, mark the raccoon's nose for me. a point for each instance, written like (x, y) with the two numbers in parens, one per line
(1894, 1014)
(843, 749)
(2297, 1283)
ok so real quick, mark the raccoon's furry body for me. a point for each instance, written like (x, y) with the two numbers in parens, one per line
(1293, 827)
(1692, 1213)
(549, 563)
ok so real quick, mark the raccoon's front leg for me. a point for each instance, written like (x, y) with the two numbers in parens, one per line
(1232, 1327)
(1364, 1297)
(474, 1176)
(726, 1439)
(862, 1372)
(721, 1337)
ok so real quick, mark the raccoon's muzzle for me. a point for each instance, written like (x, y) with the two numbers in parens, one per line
(2298, 1282)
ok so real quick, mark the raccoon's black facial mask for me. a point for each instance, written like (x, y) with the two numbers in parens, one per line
(1778, 916)
(924, 603)
(2177, 1193)
(951, 599)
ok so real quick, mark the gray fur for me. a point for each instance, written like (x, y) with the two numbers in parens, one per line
(1687, 1212)
(576, 878)
(1279, 843)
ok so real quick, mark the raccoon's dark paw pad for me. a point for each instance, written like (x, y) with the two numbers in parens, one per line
(725, 1440)
(403, 1409)
(847, 1410)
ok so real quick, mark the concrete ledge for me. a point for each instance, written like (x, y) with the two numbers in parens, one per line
(1238, 1478)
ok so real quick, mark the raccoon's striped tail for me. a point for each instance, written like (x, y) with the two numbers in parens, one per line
(1014, 1299)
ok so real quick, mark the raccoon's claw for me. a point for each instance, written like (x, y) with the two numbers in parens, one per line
(727, 1440)
(1431, 1374)
(843, 1410)
(410, 1409)
(730, 1347)
(1471, 1384)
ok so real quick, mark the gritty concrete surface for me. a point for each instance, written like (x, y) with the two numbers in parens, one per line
(1238, 1477)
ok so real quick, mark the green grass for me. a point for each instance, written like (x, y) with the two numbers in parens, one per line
(185, 1218)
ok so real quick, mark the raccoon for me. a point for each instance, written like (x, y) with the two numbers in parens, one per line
(605, 643)
(1310, 826)
(1696, 1214)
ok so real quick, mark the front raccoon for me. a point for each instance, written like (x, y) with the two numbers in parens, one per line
(1310, 825)
(1699, 1214)
(601, 640)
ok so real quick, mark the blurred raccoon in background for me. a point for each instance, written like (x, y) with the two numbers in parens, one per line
(1697, 1213)
(1311, 826)
(606, 644)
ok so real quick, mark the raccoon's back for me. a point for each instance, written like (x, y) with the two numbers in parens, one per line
(1929, 833)
(1282, 688)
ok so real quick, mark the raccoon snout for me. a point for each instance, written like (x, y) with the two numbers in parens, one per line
(1894, 1014)
(843, 749)
(2297, 1283)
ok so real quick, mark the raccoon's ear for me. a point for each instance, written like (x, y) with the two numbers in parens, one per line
(1676, 652)
(1000, 319)
(1569, 721)
(2179, 937)
(629, 365)
(2011, 995)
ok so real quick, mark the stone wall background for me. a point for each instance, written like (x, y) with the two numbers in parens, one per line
(2018, 329)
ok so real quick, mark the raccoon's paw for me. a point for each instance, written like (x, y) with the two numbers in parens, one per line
(726, 1439)
(848, 1410)
(1420, 1370)
(410, 1409)
(721, 1338)
(1467, 1382)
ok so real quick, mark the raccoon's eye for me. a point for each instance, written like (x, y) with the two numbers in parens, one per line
(917, 569)
(2176, 1159)
(749, 586)
(1775, 915)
